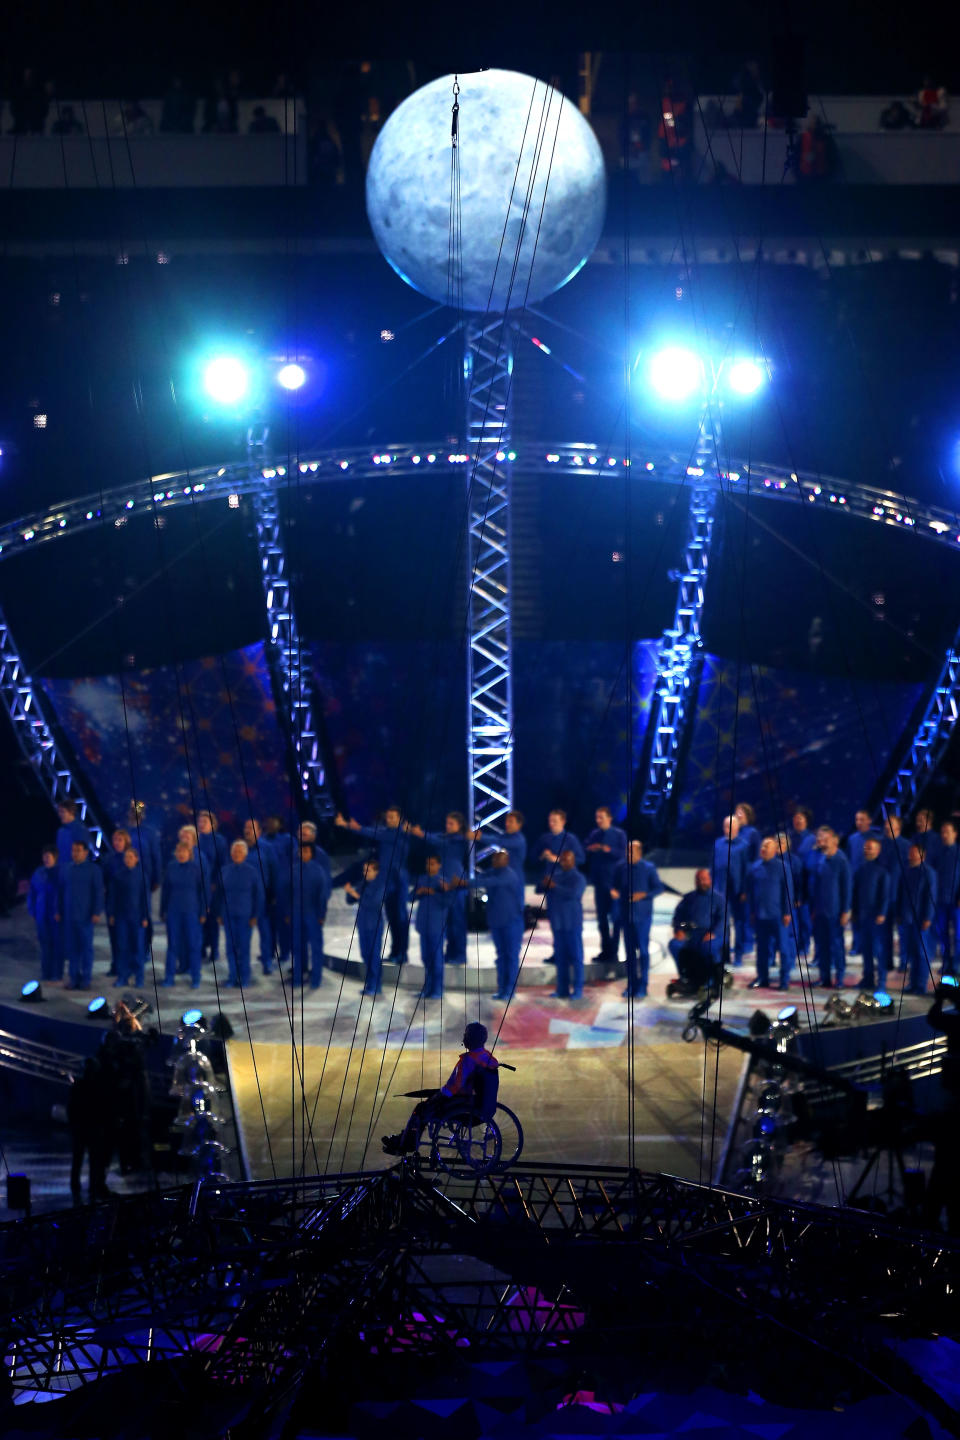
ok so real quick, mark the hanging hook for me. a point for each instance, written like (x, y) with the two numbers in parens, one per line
(455, 116)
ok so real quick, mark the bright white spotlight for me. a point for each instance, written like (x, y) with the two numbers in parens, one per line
(292, 377)
(226, 380)
(745, 377)
(676, 374)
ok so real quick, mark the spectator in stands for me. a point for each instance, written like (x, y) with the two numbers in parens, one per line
(220, 110)
(66, 122)
(29, 105)
(816, 155)
(896, 116)
(262, 123)
(636, 133)
(674, 131)
(132, 122)
(750, 97)
(176, 117)
(933, 106)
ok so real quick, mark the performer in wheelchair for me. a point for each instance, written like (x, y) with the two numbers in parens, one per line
(471, 1089)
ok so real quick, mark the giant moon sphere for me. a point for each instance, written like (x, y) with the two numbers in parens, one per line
(532, 191)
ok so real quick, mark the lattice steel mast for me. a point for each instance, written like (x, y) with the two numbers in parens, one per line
(489, 367)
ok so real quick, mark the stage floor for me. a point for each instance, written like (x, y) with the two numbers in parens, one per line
(316, 1074)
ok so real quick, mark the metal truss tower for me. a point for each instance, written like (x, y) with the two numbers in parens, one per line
(36, 733)
(928, 745)
(488, 369)
(680, 654)
(290, 673)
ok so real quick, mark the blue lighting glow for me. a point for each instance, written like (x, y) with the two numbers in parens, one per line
(191, 1017)
(292, 377)
(745, 377)
(226, 380)
(950, 981)
(30, 991)
(676, 374)
(97, 1006)
(883, 999)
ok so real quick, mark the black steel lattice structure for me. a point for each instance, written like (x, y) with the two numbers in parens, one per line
(235, 1297)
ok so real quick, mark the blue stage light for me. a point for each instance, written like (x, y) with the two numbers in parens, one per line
(950, 981)
(676, 374)
(745, 377)
(97, 1008)
(31, 991)
(884, 1000)
(226, 380)
(192, 1017)
(292, 377)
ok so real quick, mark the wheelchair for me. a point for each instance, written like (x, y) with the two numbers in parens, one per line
(467, 1146)
(480, 1137)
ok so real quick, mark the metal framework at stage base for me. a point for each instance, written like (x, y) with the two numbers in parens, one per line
(230, 1297)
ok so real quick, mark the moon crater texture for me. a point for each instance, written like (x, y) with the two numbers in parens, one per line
(532, 191)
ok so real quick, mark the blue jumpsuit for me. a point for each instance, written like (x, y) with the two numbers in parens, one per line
(770, 885)
(73, 833)
(871, 900)
(729, 872)
(452, 850)
(700, 913)
(947, 869)
(894, 859)
(854, 852)
(262, 860)
(555, 845)
(239, 900)
(284, 866)
(433, 916)
(802, 846)
(516, 847)
(370, 909)
(830, 894)
(633, 877)
(128, 907)
(919, 903)
(750, 836)
(505, 920)
(601, 866)
(392, 848)
(43, 904)
(565, 913)
(311, 895)
(112, 863)
(82, 898)
(183, 905)
(146, 841)
(930, 844)
(213, 854)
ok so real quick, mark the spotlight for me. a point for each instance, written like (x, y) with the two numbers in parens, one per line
(226, 380)
(292, 377)
(745, 377)
(837, 1008)
(769, 1100)
(885, 1001)
(789, 1016)
(31, 991)
(193, 1017)
(676, 374)
(98, 1009)
(950, 982)
(765, 1128)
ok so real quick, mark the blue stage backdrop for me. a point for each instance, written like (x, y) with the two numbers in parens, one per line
(395, 717)
(203, 733)
(779, 738)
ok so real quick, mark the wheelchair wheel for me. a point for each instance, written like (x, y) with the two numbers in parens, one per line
(511, 1136)
(467, 1148)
